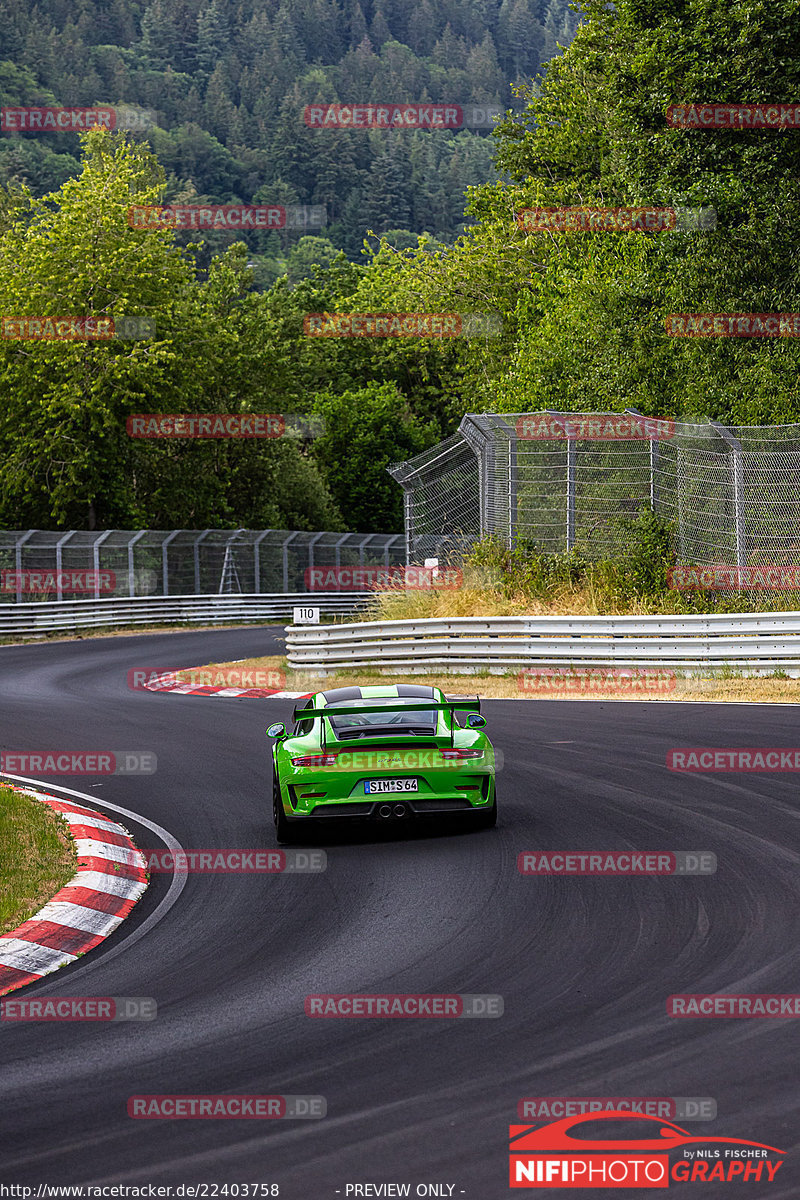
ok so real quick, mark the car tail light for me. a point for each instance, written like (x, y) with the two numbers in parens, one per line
(462, 754)
(315, 760)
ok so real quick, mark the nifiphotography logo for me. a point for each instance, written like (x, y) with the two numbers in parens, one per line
(588, 1152)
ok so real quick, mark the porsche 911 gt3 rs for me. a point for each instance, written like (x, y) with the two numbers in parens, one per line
(389, 753)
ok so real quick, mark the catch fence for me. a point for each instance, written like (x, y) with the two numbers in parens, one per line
(47, 565)
(560, 480)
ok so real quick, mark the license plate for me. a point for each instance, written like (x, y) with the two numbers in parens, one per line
(371, 786)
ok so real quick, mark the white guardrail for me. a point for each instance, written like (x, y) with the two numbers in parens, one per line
(755, 643)
(64, 616)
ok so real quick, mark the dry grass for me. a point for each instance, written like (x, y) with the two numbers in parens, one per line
(506, 687)
(479, 599)
(37, 854)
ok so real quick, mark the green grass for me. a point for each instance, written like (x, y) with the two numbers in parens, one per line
(37, 857)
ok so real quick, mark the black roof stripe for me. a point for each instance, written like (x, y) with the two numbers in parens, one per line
(345, 693)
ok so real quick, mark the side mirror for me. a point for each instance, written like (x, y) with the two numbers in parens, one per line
(278, 730)
(476, 721)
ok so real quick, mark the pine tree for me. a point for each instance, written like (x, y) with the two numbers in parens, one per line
(213, 36)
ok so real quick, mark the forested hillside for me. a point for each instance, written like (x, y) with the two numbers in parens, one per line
(230, 80)
(581, 318)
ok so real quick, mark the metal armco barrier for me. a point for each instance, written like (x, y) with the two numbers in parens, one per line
(755, 643)
(39, 617)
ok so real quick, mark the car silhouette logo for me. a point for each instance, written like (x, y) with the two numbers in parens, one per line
(558, 1136)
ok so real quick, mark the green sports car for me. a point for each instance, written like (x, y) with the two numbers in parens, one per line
(393, 753)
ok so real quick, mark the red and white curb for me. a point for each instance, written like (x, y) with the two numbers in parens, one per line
(168, 683)
(111, 877)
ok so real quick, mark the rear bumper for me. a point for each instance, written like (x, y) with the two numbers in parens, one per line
(390, 806)
(405, 806)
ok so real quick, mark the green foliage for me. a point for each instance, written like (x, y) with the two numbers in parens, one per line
(65, 453)
(366, 430)
(638, 573)
(231, 82)
(584, 313)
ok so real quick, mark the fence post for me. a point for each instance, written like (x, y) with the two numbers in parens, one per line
(408, 521)
(338, 549)
(59, 544)
(389, 542)
(654, 454)
(164, 562)
(680, 476)
(196, 556)
(20, 542)
(286, 560)
(499, 422)
(257, 560)
(737, 471)
(572, 449)
(131, 579)
(96, 560)
(311, 545)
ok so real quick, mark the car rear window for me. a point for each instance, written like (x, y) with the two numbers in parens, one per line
(395, 715)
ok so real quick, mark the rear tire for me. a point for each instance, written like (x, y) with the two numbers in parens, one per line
(283, 829)
(488, 818)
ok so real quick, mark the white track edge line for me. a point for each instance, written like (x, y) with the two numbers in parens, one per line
(162, 908)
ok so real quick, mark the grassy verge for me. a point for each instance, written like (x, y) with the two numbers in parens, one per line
(637, 580)
(775, 689)
(37, 855)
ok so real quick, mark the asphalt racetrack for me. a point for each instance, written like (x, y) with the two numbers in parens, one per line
(584, 964)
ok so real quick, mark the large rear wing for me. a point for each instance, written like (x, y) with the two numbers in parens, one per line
(340, 710)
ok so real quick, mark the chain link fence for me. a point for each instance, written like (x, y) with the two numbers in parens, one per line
(560, 479)
(68, 565)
